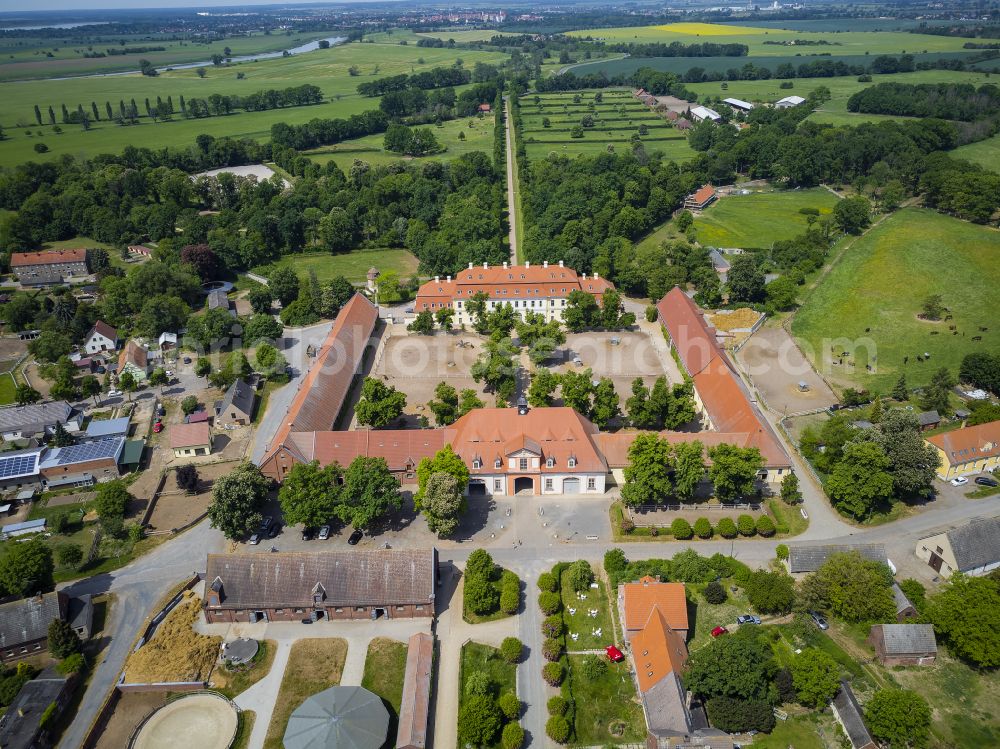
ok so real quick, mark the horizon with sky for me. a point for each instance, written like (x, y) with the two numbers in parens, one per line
(74, 6)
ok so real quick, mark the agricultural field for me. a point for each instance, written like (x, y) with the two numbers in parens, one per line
(328, 69)
(352, 265)
(869, 302)
(761, 218)
(29, 58)
(458, 137)
(985, 153)
(839, 43)
(617, 117)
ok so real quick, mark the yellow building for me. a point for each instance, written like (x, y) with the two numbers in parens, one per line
(968, 450)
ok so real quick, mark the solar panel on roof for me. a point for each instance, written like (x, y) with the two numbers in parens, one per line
(17, 465)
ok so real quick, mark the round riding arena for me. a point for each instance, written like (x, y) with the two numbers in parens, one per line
(204, 720)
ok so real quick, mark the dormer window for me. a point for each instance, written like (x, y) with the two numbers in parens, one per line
(477, 463)
(549, 462)
(497, 463)
(572, 463)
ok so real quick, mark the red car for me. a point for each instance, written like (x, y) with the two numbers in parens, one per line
(158, 427)
(614, 654)
(719, 631)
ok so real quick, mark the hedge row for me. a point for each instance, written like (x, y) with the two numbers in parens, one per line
(681, 529)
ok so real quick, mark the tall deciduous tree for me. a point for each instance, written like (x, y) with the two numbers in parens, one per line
(310, 494)
(852, 588)
(237, 500)
(966, 613)
(861, 479)
(689, 468)
(816, 677)
(740, 665)
(27, 569)
(543, 384)
(900, 718)
(445, 460)
(734, 470)
(380, 404)
(647, 476)
(442, 503)
(370, 492)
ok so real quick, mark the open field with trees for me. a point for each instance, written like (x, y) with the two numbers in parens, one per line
(761, 218)
(877, 289)
(985, 153)
(756, 38)
(330, 70)
(352, 265)
(590, 122)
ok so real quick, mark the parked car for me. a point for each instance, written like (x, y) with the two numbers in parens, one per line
(987, 481)
(101, 370)
(274, 530)
(959, 481)
(158, 427)
(614, 654)
(308, 534)
(719, 631)
(187, 359)
(748, 619)
(254, 539)
(819, 620)
(324, 533)
(161, 411)
(265, 522)
(355, 537)
(169, 373)
(112, 393)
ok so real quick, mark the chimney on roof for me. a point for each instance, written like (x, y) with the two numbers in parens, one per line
(437, 279)
(470, 266)
(527, 263)
(583, 275)
(486, 265)
(545, 263)
(449, 279)
(505, 265)
(595, 274)
(522, 406)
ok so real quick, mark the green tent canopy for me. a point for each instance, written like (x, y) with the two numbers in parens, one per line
(338, 718)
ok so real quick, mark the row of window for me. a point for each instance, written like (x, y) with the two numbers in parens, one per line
(24, 650)
(522, 463)
(358, 609)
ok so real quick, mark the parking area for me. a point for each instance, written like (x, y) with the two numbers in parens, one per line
(620, 355)
(777, 366)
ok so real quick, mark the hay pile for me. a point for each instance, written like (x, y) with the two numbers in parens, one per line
(176, 652)
(744, 317)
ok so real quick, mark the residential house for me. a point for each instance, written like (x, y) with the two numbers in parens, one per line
(968, 450)
(218, 299)
(541, 289)
(972, 549)
(903, 644)
(928, 420)
(289, 586)
(811, 557)
(32, 267)
(140, 250)
(105, 428)
(236, 408)
(102, 337)
(738, 104)
(417, 685)
(700, 114)
(189, 440)
(19, 468)
(904, 608)
(82, 464)
(134, 359)
(848, 713)
(37, 420)
(637, 600)
(167, 341)
(21, 726)
(788, 102)
(485, 108)
(24, 623)
(701, 198)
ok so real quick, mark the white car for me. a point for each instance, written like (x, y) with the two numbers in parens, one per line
(112, 393)
(960, 481)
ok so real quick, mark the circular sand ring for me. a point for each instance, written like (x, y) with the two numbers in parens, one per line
(204, 720)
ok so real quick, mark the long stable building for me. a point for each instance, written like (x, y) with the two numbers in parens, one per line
(542, 289)
(540, 451)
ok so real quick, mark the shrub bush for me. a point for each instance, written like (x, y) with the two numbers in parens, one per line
(480, 563)
(480, 595)
(549, 603)
(745, 525)
(551, 649)
(511, 649)
(786, 689)
(651, 313)
(703, 528)
(509, 580)
(512, 737)
(509, 705)
(552, 626)
(478, 720)
(478, 682)
(510, 600)
(557, 705)
(681, 529)
(73, 664)
(594, 667)
(715, 593)
(614, 561)
(557, 728)
(727, 528)
(781, 552)
(765, 526)
(580, 575)
(736, 716)
(627, 526)
(553, 673)
(547, 582)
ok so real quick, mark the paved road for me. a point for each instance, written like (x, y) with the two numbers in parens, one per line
(511, 200)
(296, 341)
(137, 588)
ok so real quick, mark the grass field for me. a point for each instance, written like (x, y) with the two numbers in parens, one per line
(385, 669)
(478, 132)
(479, 658)
(28, 58)
(617, 117)
(352, 265)
(7, 388)
(879, 285)
(601, 703)
(841, 43)
(313, 665)
(761, 218)
(985, 153)
(581, 623)
(327, 69)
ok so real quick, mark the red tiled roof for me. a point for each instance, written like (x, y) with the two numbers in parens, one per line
(692, 337)
(657, 650)
(969, 443)
(401, 448)
(415, 704)
(705, 192)
(640, 598)
(104, 329)
(47, 257)
(134, 353)
(190, 435)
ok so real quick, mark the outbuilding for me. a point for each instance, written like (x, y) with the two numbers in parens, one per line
(903, 644)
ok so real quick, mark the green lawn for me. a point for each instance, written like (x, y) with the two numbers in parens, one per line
(327, 69)
(478, 132)
(479, 658)
(352, 265)
(581, 622)
(385, 670)
(798, 731)
(604, 703)
(879, 285)
(7, 388)
(843, 43)
(704, 616)
(985, 153)
(761, 218)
